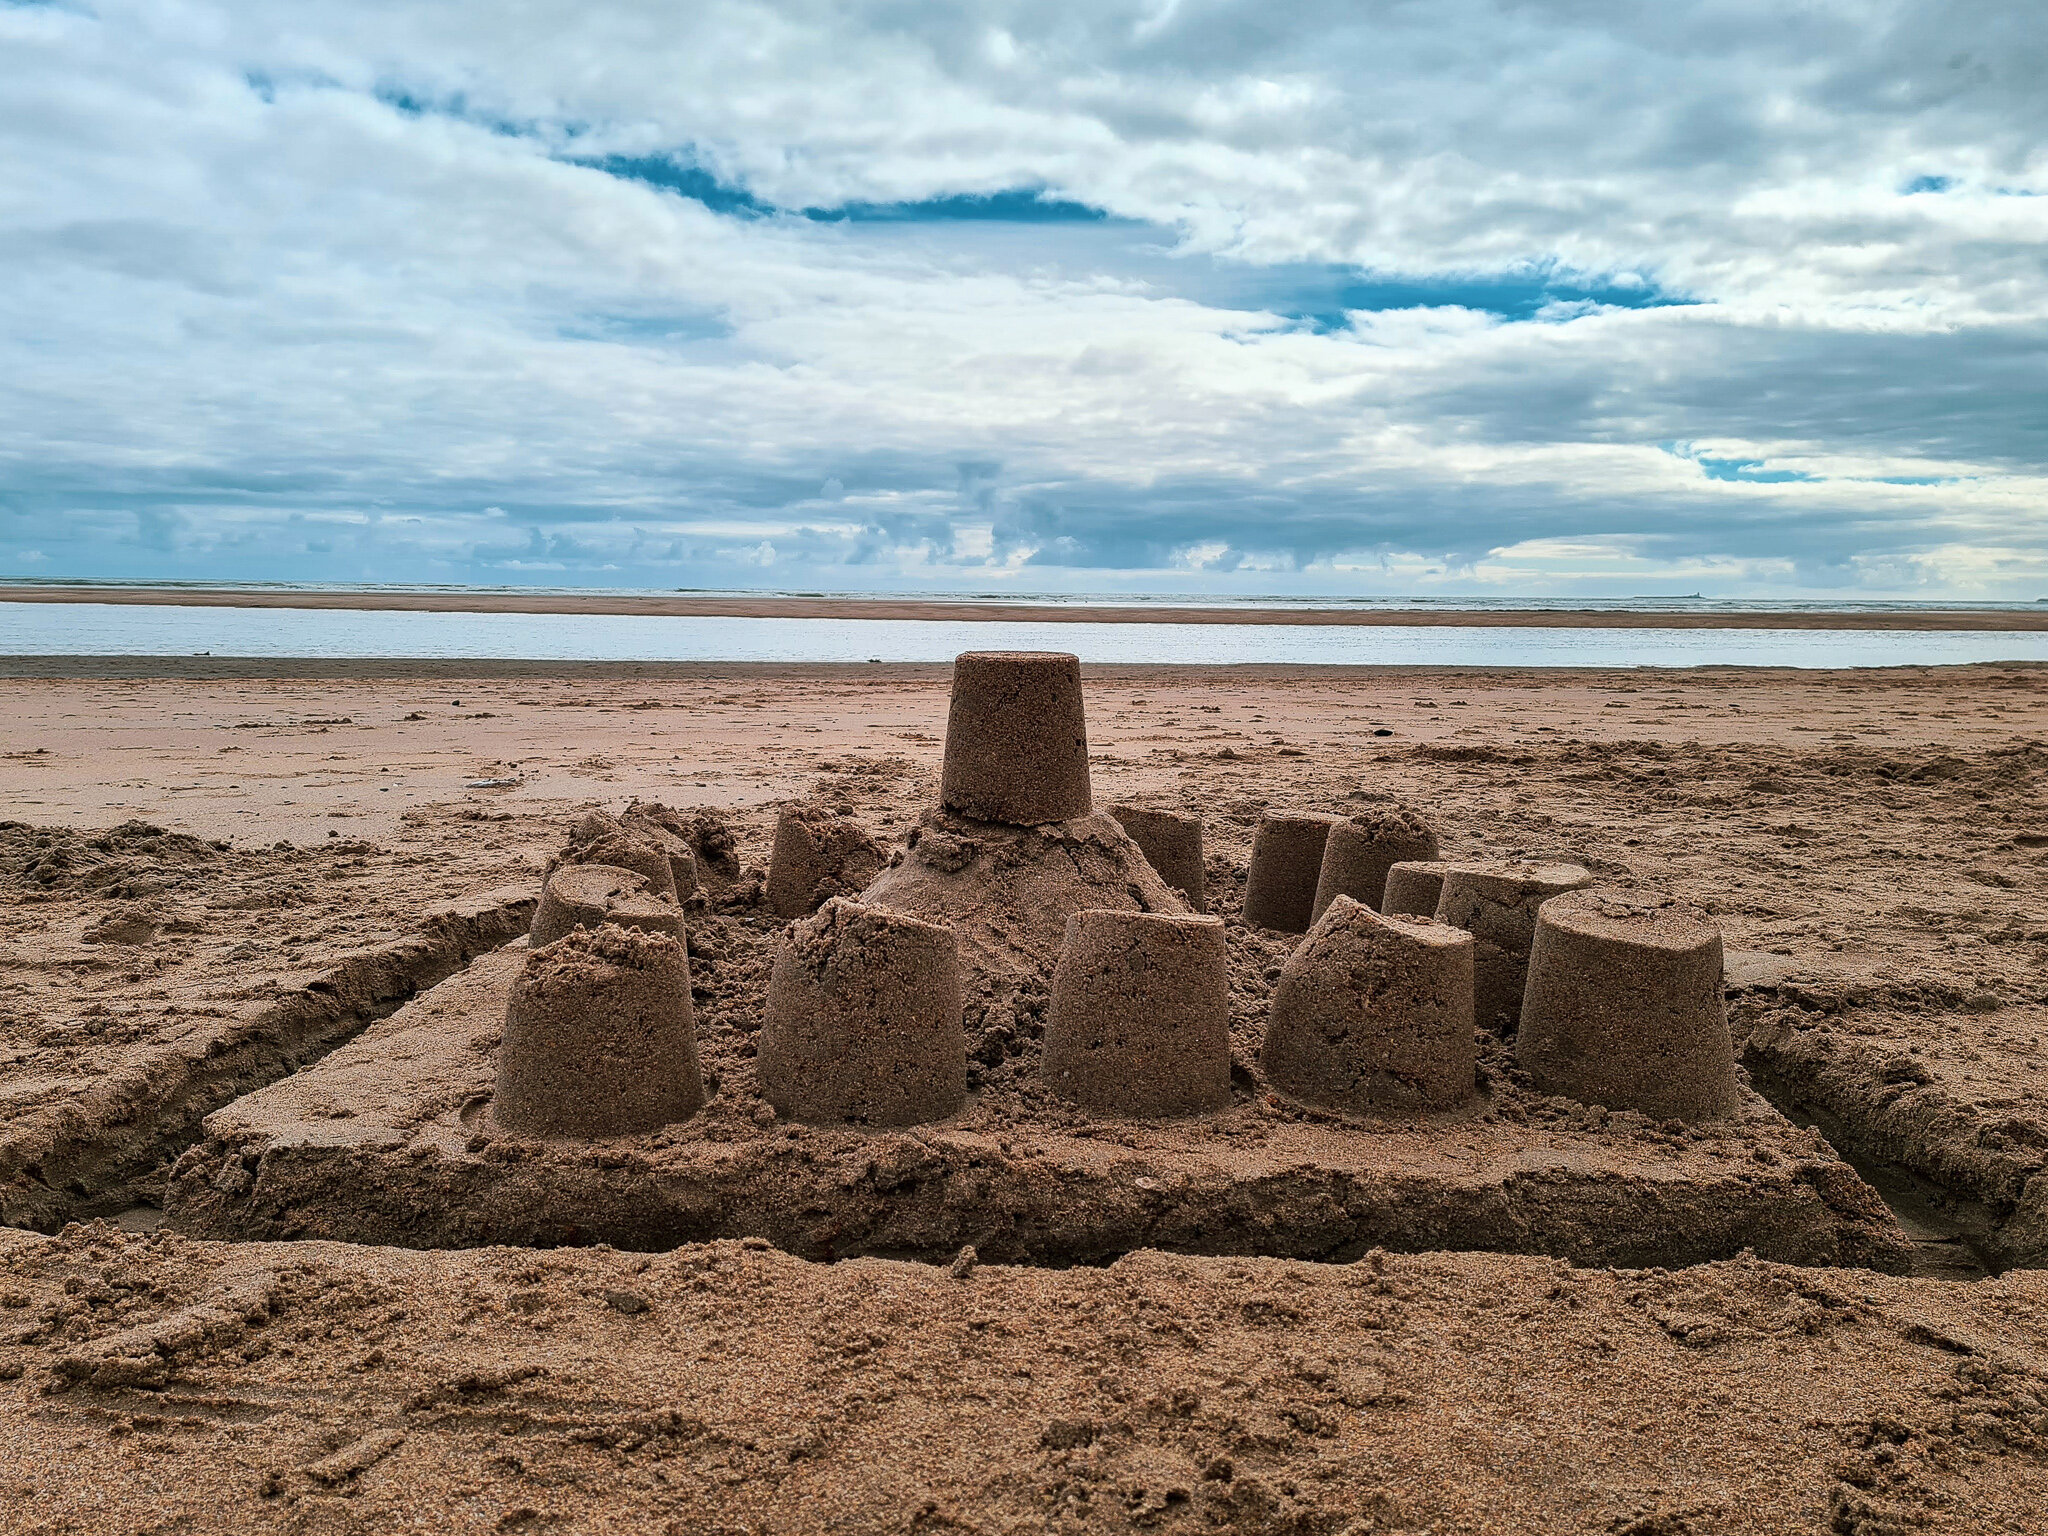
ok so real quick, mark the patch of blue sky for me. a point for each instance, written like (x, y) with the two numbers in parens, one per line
(1749, 471)
(1323, 297)
(1316, 296)
(1921, 184)
(685, 177)
(645, 330)
(1016, 205)
(457, 105)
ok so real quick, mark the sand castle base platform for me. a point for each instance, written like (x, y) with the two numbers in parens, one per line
(391, 1140)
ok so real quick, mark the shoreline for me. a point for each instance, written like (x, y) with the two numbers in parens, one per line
(79, 668)
(687, 605)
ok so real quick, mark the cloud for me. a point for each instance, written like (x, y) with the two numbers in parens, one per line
(1197, 296)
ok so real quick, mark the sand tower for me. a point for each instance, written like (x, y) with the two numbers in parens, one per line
(1016, 741)
(599, 1038)
(591, 895)
(1140, 1016)
(682, 859)
(1374, 1014)
(1625, 1007)
(1287, 861)
(1496, 903)
(1172, 845)
(863, 1019)
(621, 850)
(1413, 888)
(1002, 877)
(818, 854)
(1359, 852)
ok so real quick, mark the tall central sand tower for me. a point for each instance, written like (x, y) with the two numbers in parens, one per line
(1015, 847)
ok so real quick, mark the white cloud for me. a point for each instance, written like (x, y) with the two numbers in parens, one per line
(272, 267)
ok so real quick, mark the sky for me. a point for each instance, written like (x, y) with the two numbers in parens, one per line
(1741, 297)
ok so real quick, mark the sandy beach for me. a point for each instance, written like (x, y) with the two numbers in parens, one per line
(216, 873)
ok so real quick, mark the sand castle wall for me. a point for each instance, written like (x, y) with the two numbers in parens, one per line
(1172, 845)
(1287, 861)
(1140, 1016)
(1625, 1007)
(863, 1022)
(599, 1038)
(1374, 1014)
(386, 1140)
(1359, 852)
(1016, 739)
(1496, 903)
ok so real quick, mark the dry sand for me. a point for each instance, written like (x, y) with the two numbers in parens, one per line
(169, 1386)
(1873, 843)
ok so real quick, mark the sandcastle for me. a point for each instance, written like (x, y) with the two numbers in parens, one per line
(1359, 852)
(1373, 1014)
(1413, 888)
(599, 1037)
(1287, 861)
(591, 895)
(1496, 903)
(1172, 845)
(819, 853)
(1140, 1017)
(1015, 849)
(863, 1019)
(1625, 1008)
(1001, 980)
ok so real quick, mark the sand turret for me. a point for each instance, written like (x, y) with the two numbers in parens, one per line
(620, 850)
(1496, 903)
(1359, 852)
(1287, 861)
(1016, 741)
(818, 854)
(599, 1038)
(682, 859)
(1413, 888)
(1172, 845)
(1625, 1007)
(591, 895)
(863, 1020)
(1373, 1014)
(1140, 1015)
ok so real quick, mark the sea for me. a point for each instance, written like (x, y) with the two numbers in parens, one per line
(141, 629)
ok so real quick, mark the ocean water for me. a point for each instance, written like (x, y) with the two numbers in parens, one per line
(103, 629)
(1310, 602)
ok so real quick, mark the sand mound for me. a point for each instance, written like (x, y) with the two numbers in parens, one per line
(1008, 891)
(130, 861)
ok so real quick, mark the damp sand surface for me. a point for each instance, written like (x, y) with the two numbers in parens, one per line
(171, 1384)
(1873, 843)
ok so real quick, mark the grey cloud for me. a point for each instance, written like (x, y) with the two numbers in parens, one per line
(322, 326)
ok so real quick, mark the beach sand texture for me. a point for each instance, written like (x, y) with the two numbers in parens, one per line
(1871, 844)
